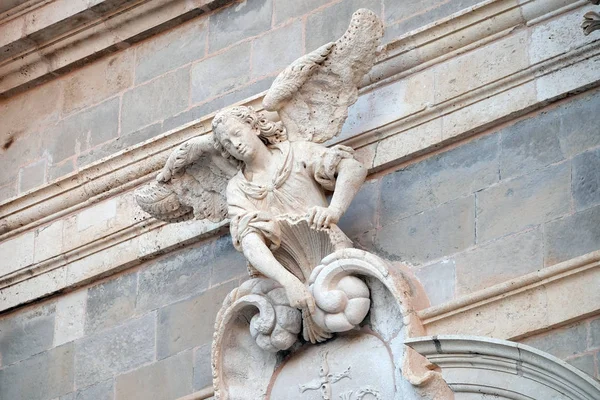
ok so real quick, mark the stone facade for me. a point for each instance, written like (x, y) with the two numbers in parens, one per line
(483, 155)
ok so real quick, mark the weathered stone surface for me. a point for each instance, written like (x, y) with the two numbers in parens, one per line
(586, 179)
(210, 79)
(438, 232)
(595, 332)
(41, 377)
(175, 277)
(284, 9)
(115, 351)
(167, 379)
(170, 50)
(529, 145)
(7, 191)
(83, 130)
(99, 391)
(189, 323)
(70, 317)
(512, 206)
(277, 49)
(572, 236)
(25, 334)
(434, 9)
(202, 369)
(239, 21)
(330, 23)
(439, 179)
(110, 303)
(48, 241)
(498, 261)
(585, 364)
(361, 215)
(489, 63)
(156, 100)
(578, 132)
(98, 81)
(561, 343)
(32, 176)
(56, 171)
(438, 280)
(16, 253)
(227, 263)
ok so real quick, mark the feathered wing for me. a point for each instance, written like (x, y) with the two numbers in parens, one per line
(313, 94)
(191, 184)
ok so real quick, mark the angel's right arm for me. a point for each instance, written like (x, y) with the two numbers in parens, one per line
(260, 256)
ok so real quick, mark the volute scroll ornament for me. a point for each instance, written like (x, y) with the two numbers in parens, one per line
(308, 284)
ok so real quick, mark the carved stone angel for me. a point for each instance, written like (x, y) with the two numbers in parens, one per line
(272, 178)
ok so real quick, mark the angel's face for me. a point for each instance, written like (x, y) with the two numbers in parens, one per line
(239, 139)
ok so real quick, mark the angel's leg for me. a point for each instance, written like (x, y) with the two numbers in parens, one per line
(261, 258)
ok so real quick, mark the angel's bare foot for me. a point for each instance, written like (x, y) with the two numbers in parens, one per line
(299, 296)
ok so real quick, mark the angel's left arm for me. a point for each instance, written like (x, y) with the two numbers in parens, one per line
(350, 176)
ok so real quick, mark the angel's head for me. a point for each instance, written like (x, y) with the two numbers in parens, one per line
(239, 131)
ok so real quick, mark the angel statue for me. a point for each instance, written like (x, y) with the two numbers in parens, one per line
(272, 180)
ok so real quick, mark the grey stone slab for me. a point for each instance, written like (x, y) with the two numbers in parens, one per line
(32, 176)
(439, 281)
(226, 100)
(44, 376)
(277, 49)
(110, 303)
(176, 277)
(7, 191)
(170, 50)
(412, 14)
(26, 333)
(530, 200)
(202, 368)
(561, 343)
(83, 130)
(579, 132)
(56, 171)
(239, 21)
(221, 73)
(190, 323)
(330, 23)
(285, 9)
(167, 379)
(584, 364)
(115, 351)
(361, 215)
(99, 391)
(21, 149)
(154, 101)
(572, 236)
(439, 179)
(498, 261)
(595, 332)
(421, 238)
(586, 179)
(529, 145)
(227, 262)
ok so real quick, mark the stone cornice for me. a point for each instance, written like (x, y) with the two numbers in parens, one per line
(410, 54)
(524, 305)
(41, 39)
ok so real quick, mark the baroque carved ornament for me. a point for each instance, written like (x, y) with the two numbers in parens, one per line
(272, 180)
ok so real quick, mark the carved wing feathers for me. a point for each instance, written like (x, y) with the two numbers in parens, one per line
(313, 94)
(191, 184)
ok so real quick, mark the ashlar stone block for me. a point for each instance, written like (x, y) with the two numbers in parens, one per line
(167, 379)
(115, 351)
(110, 303)
(586, 179)
(277, 49)
(561, 343)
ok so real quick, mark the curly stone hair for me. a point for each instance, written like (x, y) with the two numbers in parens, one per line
(270, 132)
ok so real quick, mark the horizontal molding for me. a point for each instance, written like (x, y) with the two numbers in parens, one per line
(532, 303)
(121, 171)
(52, 38)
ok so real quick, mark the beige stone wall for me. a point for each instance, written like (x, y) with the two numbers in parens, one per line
(483, 151)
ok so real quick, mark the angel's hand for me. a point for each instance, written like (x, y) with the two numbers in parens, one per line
(323, 217)
(299, 296)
